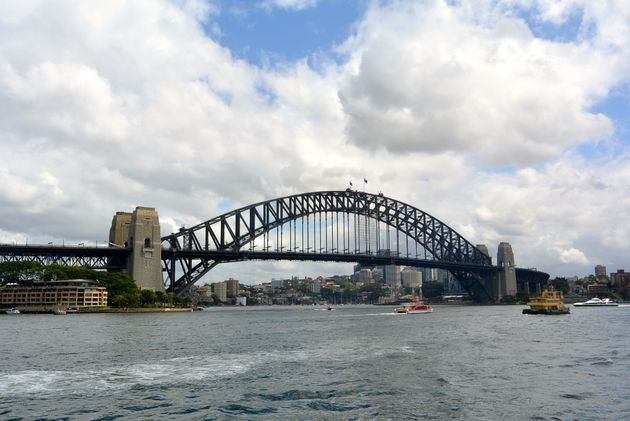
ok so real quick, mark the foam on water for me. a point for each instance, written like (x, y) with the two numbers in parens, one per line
(174, 371)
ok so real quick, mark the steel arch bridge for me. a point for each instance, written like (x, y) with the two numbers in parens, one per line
(341, 226)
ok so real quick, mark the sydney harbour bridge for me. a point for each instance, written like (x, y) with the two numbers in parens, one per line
(333, 226)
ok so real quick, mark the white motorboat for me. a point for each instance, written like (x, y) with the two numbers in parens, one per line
(597, 302)
(12, 311)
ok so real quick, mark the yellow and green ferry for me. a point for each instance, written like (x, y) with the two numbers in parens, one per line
(549, 302)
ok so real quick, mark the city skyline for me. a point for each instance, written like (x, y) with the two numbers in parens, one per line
(506, 120)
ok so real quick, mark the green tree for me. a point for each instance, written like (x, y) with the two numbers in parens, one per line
(522, 297)
(19, 272)
(148, 297)
(560, 284)
(160, 297)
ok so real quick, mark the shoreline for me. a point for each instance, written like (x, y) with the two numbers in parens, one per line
(101, 310)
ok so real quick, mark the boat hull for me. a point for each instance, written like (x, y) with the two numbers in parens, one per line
(419, 311)
(546, 311)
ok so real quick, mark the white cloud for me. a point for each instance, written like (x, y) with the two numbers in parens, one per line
(430, 77)
(572, 255)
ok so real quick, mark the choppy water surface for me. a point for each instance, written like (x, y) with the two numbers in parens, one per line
(300, 363)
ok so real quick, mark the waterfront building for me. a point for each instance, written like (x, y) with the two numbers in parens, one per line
(219, 289)
(232, 287)
(411, 278)
(241, 301)
(594, 289)
(70, 294)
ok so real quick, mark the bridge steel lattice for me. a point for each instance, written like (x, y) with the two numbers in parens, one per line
(344, 226)
(91, 257)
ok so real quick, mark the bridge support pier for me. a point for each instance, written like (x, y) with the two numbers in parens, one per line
(506, 278)
(140, 230)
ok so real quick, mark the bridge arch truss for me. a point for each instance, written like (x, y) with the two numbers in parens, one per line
(328, 225)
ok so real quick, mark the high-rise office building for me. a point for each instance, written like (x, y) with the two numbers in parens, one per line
(392, 276)
(411, 278)
(219, 289)
(232, 287)
(600, 271)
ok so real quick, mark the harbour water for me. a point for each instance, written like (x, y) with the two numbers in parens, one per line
(356, 362)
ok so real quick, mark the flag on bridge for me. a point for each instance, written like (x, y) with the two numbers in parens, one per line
(365, 180)
(350, 182)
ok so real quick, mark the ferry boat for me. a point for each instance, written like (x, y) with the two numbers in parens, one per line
(597, 302)
(549, 302)
(420, 308)
(414, 308)
(403, 308)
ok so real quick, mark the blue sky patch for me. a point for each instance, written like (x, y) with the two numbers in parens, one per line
(260, 35)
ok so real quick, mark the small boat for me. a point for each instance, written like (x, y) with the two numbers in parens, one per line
(59, 311)
(549, 302)
(420, 308)
(403, 309)
(597, 302)
(12, 311)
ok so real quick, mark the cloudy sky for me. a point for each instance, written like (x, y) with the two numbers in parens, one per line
(509, 120)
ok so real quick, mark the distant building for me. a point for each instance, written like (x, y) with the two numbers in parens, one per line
(594, 289)
(277, 283)
(392, 276)
(378, 275)
(600, 271)
(241, 301)
(316, 286)
(219, 289)
(71, 294)
(411, 278)
(363, 276)
(431, 275)
(204, 291)
(232, 287)
(620, 279)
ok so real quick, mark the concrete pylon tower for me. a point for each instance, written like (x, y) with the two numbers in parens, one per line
(484, 249)
(506, 284)
(140, 230)
(119, 232)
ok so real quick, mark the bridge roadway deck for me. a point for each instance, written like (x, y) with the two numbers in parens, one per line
(367, 259)
(115, 258)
